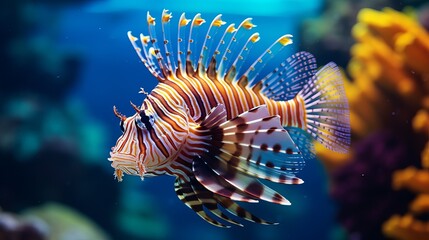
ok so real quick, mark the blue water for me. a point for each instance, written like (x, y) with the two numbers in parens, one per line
(112, 74)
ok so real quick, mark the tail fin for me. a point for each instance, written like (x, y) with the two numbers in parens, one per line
(327, 110)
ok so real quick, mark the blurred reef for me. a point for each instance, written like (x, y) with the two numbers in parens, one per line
(381, 187)
(328, 36)
(49, 143)
(13, 227)
(50, 221)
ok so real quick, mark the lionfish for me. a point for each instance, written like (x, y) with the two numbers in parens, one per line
(218, 128)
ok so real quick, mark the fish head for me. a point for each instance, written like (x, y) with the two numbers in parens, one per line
(148, 142)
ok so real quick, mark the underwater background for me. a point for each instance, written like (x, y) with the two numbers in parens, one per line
(64, 64)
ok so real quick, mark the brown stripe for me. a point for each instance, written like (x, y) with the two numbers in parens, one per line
(257, 88)
(168, 136)
(304, 118)
(163, 115)
(289, 114)
(211, 70)
(165, 118)
(207, 91)
(261, 98)
(229, 76)
(189, 68)
(280, 110)
(131, 149)
(183, 94)
(141, 143)
(154, 136)
(126, 138)
(224, 94)
(248, 98)
(297, 112)
(198, 98)
(236, 98)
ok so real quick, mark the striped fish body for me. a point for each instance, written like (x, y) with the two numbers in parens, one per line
(217, 128)
(201, 94)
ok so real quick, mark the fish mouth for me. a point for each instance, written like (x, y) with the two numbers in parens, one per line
(125, 164)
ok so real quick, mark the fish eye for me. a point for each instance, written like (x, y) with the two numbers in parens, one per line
(143, 121)
(139, 123)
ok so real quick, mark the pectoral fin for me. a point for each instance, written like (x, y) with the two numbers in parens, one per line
(249, 146)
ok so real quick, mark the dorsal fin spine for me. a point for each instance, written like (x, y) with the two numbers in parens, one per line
(246, 24)
(253, 71)
(149, 57)
(191, 55)
(206, 47)
(155, 50)
(257, 87)
(238, 62)
(144, 60)
(223, 64)
(214, 61)
(183, 22)
(166, 17)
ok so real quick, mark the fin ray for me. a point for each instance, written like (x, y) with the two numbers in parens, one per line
(210, 203)
(181, 44)
(247, 184)
(254, 70)
(285, 81)
(234, 69)
(230, 48)
(207, 46)
(166, 20)
(239, 211)
(304, 142)
(187, 195)
(327, 115)
(193, 37)
(218, 185)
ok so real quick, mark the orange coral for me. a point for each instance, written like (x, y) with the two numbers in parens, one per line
(394, 53)
(390, 58)
(406, 227)
(402, 34)
(420, 204)
(390, 74)
(413, 179)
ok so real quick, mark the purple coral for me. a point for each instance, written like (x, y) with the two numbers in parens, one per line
(363, 189)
